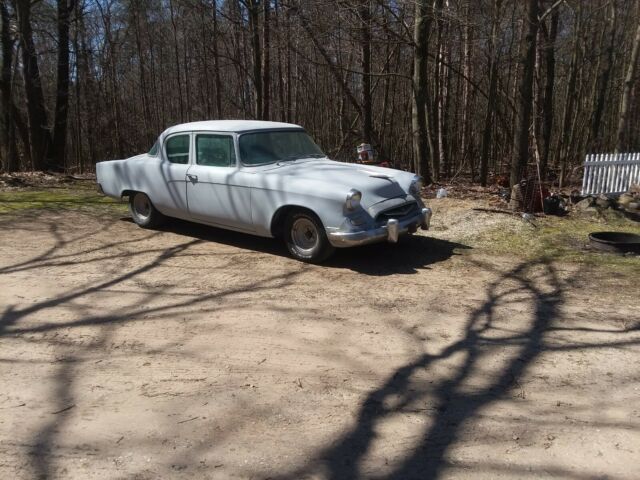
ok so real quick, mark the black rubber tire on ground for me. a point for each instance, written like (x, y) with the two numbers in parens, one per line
(143, 212)
(306, 238)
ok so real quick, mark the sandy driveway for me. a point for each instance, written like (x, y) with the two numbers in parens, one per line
(198, 353)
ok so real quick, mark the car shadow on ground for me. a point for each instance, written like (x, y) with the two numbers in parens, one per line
(409, 255)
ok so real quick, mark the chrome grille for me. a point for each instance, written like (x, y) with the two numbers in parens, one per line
(399, 213)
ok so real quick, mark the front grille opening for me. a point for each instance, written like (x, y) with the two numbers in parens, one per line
(399, 213)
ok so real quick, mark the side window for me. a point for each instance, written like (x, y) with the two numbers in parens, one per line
(177, 148)
(215, 150)
(154, 150)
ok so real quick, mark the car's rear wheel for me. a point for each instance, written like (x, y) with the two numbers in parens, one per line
(306, 238)
(143, 212)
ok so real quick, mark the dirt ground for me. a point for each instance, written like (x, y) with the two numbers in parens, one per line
(192, 352)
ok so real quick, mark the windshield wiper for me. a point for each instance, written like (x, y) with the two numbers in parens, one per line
(293, 158)
(290, 158)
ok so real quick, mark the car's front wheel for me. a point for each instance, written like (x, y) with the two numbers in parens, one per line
(306, 238)
(143, 212)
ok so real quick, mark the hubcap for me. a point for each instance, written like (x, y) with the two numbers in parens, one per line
(142, 205)
(304, 234)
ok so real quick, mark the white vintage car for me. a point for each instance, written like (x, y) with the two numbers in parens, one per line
(268, 179)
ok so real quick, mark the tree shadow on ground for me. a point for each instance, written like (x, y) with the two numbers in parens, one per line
(455, 400)
(43, 445)
(454, 403)
(409, 255)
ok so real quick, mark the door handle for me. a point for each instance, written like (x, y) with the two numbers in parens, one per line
(192, 178)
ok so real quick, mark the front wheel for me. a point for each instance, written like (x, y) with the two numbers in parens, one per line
(306, 238)
(143, 212)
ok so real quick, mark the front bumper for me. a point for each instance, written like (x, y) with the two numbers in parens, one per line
(389, 232)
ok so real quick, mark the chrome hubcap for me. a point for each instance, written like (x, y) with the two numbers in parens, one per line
(141, 205)
(304, 234)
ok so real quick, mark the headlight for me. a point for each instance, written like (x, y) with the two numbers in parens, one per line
(416, 186)
(353, 199)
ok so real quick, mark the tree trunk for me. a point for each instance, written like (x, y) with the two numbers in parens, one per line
(571, 99)
(62, 90)
(9, 151)
(266, 62)
(143, 83)
(550, 61)
(628, 87)
(465, 101)
(254, 6)
(216, 63)
(604, 81)
(420, 91)
(88, 85)
(493, 90)
(186, 44)
(519, 163)
(365, 45)
(40, 138)
(176, 52)
(438, 159)
(77, 134)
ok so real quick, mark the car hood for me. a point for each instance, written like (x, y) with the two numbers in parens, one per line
(376, 183)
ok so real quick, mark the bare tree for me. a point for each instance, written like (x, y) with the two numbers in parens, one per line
(548, 111)
(442, 88)
(519, 163)
(9, 153)
(254, 10)
(604, 77)
(65, 7)
(628, 86)
(39, 135)
(493, 91)
(266, 61)
(421, 135)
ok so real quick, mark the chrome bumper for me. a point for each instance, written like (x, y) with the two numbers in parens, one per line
(389, 232)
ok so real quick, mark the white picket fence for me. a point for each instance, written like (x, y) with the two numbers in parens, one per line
(610, 173)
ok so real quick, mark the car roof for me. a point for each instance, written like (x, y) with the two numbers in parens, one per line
(228, 126)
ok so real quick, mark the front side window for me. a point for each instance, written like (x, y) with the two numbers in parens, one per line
(259, 148)
(215, 150)
(177, 148)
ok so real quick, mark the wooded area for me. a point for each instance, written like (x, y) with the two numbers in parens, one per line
(442, 87)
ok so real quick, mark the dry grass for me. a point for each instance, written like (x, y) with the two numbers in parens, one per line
(560, 238)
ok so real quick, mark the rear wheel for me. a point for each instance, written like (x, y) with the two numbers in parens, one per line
(306, 238)
(143, 212)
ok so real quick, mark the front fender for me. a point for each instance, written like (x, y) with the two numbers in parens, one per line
(266, 203)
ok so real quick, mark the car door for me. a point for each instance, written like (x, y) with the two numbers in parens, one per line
(169, 189)
(217, 192)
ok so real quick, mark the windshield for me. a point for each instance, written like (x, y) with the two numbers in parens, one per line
(259, 148)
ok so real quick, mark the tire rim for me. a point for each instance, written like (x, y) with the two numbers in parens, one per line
(304, 235)
(142, 206)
